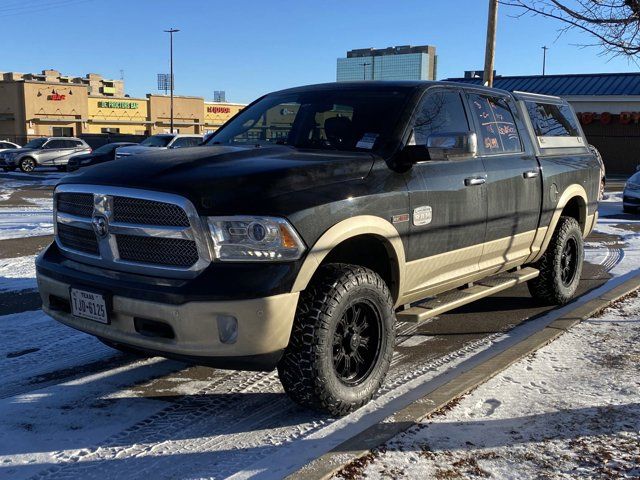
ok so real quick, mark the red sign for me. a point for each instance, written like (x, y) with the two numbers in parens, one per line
(606, 118)
(56, 97)
(218, 109)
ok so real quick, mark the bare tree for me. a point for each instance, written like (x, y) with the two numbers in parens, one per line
(614, 24)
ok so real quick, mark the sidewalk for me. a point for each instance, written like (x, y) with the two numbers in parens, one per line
(570, 410)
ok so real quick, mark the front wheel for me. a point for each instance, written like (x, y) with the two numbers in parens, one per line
(561, 265)
(342, 340)
(27, 165)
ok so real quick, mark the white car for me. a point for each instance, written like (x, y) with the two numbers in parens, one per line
(160, 141)
(631, 194)
(6, 145)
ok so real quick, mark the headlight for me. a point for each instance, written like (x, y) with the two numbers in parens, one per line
(252, 239)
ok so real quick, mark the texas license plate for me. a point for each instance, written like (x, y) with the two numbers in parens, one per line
(89, 305)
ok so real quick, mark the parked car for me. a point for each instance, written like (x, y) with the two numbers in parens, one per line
(43, 152)
(603, 171)
(631, 194)
(7, 145)
(161, 141)
(102, 154)
(315, 220)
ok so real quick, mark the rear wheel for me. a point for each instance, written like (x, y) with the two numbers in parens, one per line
(27, 164)
(561, 265)
(342, 340)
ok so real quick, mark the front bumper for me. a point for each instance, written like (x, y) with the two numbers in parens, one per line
(264, 326)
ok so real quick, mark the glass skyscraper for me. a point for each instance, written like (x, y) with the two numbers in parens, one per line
(393, 63)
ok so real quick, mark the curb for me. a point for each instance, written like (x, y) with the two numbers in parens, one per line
(361, 444)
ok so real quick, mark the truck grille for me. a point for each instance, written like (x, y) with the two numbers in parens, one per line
(148, 212)
(78, 239)
(130, 230)
(159, 251)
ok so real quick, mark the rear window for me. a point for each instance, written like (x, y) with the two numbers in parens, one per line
(554, 125)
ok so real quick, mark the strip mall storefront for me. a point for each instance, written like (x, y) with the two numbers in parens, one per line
(35, 109)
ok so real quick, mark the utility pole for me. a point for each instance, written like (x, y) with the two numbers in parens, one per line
(490, 47)
(171, 32)
(544, 59)
(364, 71)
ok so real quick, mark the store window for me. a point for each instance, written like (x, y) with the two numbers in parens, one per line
(62, 131)
(110, 130)
(497, 131)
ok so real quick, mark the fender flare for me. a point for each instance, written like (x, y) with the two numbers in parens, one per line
(344, 230)
(543, 236)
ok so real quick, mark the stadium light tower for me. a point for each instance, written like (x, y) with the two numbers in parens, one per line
(171, 31)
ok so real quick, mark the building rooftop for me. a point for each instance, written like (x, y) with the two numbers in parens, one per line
(399, 50)
(566, 85)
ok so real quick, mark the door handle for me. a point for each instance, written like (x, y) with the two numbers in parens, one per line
(470, 182)
(530, 174)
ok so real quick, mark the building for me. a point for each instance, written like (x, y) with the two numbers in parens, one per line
(34, 105)
(393, 63)
(607, 104)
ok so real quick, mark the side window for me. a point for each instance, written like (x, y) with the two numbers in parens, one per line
(6, 145)
(497, 131)
(57, 144)
(185, 142)
(440, 112)
(552, 120)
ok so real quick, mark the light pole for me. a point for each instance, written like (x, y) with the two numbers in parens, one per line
(171, 32)
(364, 70)
(490, 47)
(544, 59)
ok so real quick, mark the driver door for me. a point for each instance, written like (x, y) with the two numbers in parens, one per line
(448, 201)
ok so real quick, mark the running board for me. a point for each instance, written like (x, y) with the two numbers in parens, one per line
(456, 298)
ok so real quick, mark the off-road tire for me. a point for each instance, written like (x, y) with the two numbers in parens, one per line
(307, 370)
(25, 165)
(549, 287)
(123, 348)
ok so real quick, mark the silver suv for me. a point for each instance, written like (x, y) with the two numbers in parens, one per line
(45, 152)
(161, 141)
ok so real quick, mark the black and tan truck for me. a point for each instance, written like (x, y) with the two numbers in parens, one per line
(315, 220)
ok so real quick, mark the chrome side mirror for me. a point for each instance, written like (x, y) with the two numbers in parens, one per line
(452, 146)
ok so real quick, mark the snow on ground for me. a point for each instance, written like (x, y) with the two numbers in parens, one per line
(570, 410)
(17, 273)
(25, 222)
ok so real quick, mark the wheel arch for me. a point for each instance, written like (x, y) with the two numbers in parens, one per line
(346, 241)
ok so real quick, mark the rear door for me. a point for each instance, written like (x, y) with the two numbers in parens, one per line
(448, 201)
(51, 151)
(513, 187)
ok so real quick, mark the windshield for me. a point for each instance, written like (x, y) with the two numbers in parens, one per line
(340, 119)
(157, 141)
(105, 148)
(35, 143)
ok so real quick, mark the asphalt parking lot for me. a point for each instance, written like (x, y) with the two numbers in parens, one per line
(170, 419)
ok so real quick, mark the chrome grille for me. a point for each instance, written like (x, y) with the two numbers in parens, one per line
(78, 239)
(159, 251)
(148, 212)
(131, 230)
(80, 204)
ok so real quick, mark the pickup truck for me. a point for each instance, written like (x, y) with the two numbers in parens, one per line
(318, 218)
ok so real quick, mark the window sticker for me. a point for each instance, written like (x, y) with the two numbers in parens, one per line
(367, 141)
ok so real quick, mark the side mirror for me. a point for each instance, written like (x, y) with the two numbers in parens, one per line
(449, 146)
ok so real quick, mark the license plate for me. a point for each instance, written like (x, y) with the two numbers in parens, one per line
(89, 305)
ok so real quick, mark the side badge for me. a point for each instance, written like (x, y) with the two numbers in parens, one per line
(422, 215)
(403, 217)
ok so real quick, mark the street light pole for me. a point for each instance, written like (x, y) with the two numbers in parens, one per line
(490, 48)
(364, 70)
(544, 59)
(171, 32)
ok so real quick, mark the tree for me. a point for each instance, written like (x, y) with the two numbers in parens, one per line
(614, 24)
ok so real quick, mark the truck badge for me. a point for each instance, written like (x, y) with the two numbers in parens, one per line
(422, 215)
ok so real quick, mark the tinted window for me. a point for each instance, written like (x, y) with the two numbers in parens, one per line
(157, 141)
(552, 120)
(108, 148)
(333, 119)
(57, 144)
(440, 112)
(186, 142)
(497, 128)
(35, 143)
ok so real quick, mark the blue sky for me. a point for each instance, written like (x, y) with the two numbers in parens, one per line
(251, 47)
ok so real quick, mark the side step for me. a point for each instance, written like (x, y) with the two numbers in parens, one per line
(456, 298)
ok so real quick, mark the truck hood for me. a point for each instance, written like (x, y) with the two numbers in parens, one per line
(222, 179)
(136, 149)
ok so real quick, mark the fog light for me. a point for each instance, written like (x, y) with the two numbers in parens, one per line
(227, 328)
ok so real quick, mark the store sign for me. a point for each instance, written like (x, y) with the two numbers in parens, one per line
(213, 109)
(117, 104)
(56, 97)
(606, 118)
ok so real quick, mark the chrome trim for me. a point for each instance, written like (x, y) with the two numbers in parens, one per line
(109, 255)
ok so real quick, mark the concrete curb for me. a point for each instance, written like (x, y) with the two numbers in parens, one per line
(360, 445)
